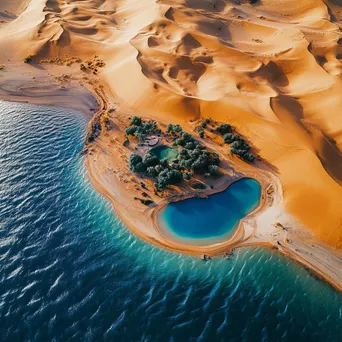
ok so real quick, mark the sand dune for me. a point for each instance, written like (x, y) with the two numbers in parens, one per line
(272, 69)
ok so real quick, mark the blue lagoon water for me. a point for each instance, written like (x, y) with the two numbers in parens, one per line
(71, 271)
(212, 219)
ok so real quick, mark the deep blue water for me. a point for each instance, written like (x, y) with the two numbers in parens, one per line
(70, 270)
(212, 218)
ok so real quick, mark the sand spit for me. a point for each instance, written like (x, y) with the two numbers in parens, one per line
(272, 70)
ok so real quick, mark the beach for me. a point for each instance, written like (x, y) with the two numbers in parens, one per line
(272, 71)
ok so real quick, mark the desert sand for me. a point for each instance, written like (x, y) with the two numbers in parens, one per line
(271, 69)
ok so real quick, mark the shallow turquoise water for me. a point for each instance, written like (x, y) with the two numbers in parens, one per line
(70, 270)
(165, 152)
(212, 219)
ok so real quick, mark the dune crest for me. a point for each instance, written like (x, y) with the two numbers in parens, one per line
(272, 69)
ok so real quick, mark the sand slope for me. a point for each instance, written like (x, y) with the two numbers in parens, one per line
(272, 69)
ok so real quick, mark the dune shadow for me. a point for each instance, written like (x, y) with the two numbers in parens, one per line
(215, 28)
(327, 152)
(214, 5)
(272, 73)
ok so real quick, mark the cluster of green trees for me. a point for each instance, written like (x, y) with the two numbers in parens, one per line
(198, 160)
(159, 170)
(202, 126)
(224, 128)
(174, 129)
(193, 158)
(239, 146)
(136, 163)
(140, 128)
(205, 122)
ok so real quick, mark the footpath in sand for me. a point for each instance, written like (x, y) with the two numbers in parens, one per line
(271, 69)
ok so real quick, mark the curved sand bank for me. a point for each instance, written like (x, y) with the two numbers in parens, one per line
(259, 228)
(271, 70)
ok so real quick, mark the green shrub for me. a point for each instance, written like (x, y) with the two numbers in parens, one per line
(169, 128)
(151, 172)
(130, 131)
(248, 157)
(223, 129)
(228, 138)
(198, 185)
(28, 59)
(151, 160)
(146, 202)
(213, 170)
(136, 164)
(136, 121)
(187, 175)
(167, 177)
(190, 145)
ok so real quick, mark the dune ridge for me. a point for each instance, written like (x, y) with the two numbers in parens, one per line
(272, 70)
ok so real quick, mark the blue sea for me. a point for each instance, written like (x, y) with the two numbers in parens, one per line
(71, 271)
(213, 219)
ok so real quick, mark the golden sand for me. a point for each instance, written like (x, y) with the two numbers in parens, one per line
(271, 69)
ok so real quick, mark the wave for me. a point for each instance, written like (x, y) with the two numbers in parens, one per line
(70, 270)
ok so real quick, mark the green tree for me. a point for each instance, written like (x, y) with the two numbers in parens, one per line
(151, 160)
(136, 121)
(224, 128)
(136, 164)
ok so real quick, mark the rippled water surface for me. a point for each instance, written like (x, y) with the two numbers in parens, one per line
(70, 271)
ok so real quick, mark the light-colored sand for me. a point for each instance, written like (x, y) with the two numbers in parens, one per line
(272, 69)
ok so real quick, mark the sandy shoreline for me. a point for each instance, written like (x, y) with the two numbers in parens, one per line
(257, 229)
(273, 72)
(142, 221)
(249, 233)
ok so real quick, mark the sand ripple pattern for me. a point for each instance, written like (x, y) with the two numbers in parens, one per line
(70, 270)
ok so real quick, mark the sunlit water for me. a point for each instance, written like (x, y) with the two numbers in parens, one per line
(71, 271)
(210, 220)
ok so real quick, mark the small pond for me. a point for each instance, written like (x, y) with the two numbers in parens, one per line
(164, 152)
(210, 220)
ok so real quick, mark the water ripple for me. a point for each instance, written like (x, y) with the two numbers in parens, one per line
(71, 271)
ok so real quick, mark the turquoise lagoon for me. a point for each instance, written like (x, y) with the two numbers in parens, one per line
(213, 219)
(71, 271)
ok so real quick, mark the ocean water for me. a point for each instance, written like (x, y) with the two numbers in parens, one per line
(213, 219)
(71, 271)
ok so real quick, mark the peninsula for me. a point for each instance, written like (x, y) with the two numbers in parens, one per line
(234, 89)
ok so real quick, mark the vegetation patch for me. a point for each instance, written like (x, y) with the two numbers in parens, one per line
(94, 130)
(198, 185)
(146, 202)
(28, 59)
(193, 157)
(141, 129)
(238, 144)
